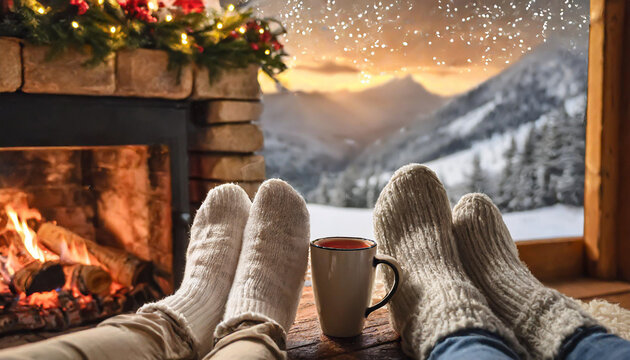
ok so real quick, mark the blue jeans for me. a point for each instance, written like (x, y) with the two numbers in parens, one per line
(592, 343)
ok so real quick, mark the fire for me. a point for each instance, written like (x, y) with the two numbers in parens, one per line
(12, 264)
(25, 257)
(45, 300)
(73, 252)
(28, 236)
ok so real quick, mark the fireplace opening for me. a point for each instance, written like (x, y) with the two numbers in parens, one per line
(85, 233)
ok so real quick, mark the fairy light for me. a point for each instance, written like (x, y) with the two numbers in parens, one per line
(169, 18)
(242, 29)
(261, 31)
(112, 29)
(100, 2)
(230, 7)
(75, 24)
(267, 52)
(219, 26)
(41, 10)
(152, 6)
(184, 39)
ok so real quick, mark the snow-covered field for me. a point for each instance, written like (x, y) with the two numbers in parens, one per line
(553, 221)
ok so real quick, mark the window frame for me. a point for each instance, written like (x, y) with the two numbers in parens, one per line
(604, 250)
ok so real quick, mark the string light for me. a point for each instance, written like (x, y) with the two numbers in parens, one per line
(184, 39)
(100, 2)
(267, 52)
(112, 29)
(261, 30)
(152, 5)
(75, 24)
(219, 26)
(242, 29)
(169, 18)
(230, 7)
(41, 10)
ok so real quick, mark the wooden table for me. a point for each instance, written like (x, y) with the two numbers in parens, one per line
(306, 341)
(379, 341)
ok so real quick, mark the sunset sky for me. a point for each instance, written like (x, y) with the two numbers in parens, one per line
(448, 46)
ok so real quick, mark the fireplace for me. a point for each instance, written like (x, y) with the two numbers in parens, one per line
(96, 192)
(94, 208)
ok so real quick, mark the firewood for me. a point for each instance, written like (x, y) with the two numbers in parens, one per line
(72, 312)
(22, 319)
(124, 267)
(39, 277)
(89, 279)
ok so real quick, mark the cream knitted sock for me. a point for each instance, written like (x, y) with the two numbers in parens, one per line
(412, 223)
(215, 243)
(272, 264)
(540, 317)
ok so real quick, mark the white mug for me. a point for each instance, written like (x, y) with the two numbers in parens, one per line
(343, 271)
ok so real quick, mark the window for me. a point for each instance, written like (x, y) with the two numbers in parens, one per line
(491, 95)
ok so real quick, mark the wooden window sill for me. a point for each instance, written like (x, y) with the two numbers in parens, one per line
(588, 289)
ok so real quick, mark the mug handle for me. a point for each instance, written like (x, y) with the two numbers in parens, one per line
(393, 264)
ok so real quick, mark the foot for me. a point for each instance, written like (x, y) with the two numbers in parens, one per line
(412, 223)
(273, 261)
(540, 317)
(211, 259)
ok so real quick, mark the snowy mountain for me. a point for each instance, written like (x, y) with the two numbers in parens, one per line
(307, 134)
(525, 123)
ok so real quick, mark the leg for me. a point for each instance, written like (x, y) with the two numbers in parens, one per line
(251, 341)
(593, 343)
(134, 336)
(211, 259)
(412, 223)
(472, 344)
(540, 317)
(271, 267)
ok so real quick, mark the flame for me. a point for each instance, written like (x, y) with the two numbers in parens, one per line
(12, 264)
(28, 236)
(76, 253)
(45, 300)
(12, 259)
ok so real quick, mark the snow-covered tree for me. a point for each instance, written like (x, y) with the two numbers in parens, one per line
(320, 194)
(527, 184)
(477, 179)
(552, 147)
(507, 183)
(570, 184)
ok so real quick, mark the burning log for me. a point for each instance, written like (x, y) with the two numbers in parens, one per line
(72, 311)
(89, 279)
(39, 277)
(124, 267)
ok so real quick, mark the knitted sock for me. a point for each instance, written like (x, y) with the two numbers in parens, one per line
(540, 317)
(412, 223)
(272, 264)
(215, 243)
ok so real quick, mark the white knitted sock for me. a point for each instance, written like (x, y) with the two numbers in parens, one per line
(412, 223)
(272, 265)
(540, 317)
(211, 259)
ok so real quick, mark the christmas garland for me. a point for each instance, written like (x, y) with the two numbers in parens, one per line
(189, 33)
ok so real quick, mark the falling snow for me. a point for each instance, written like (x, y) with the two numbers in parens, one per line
(380, 37)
